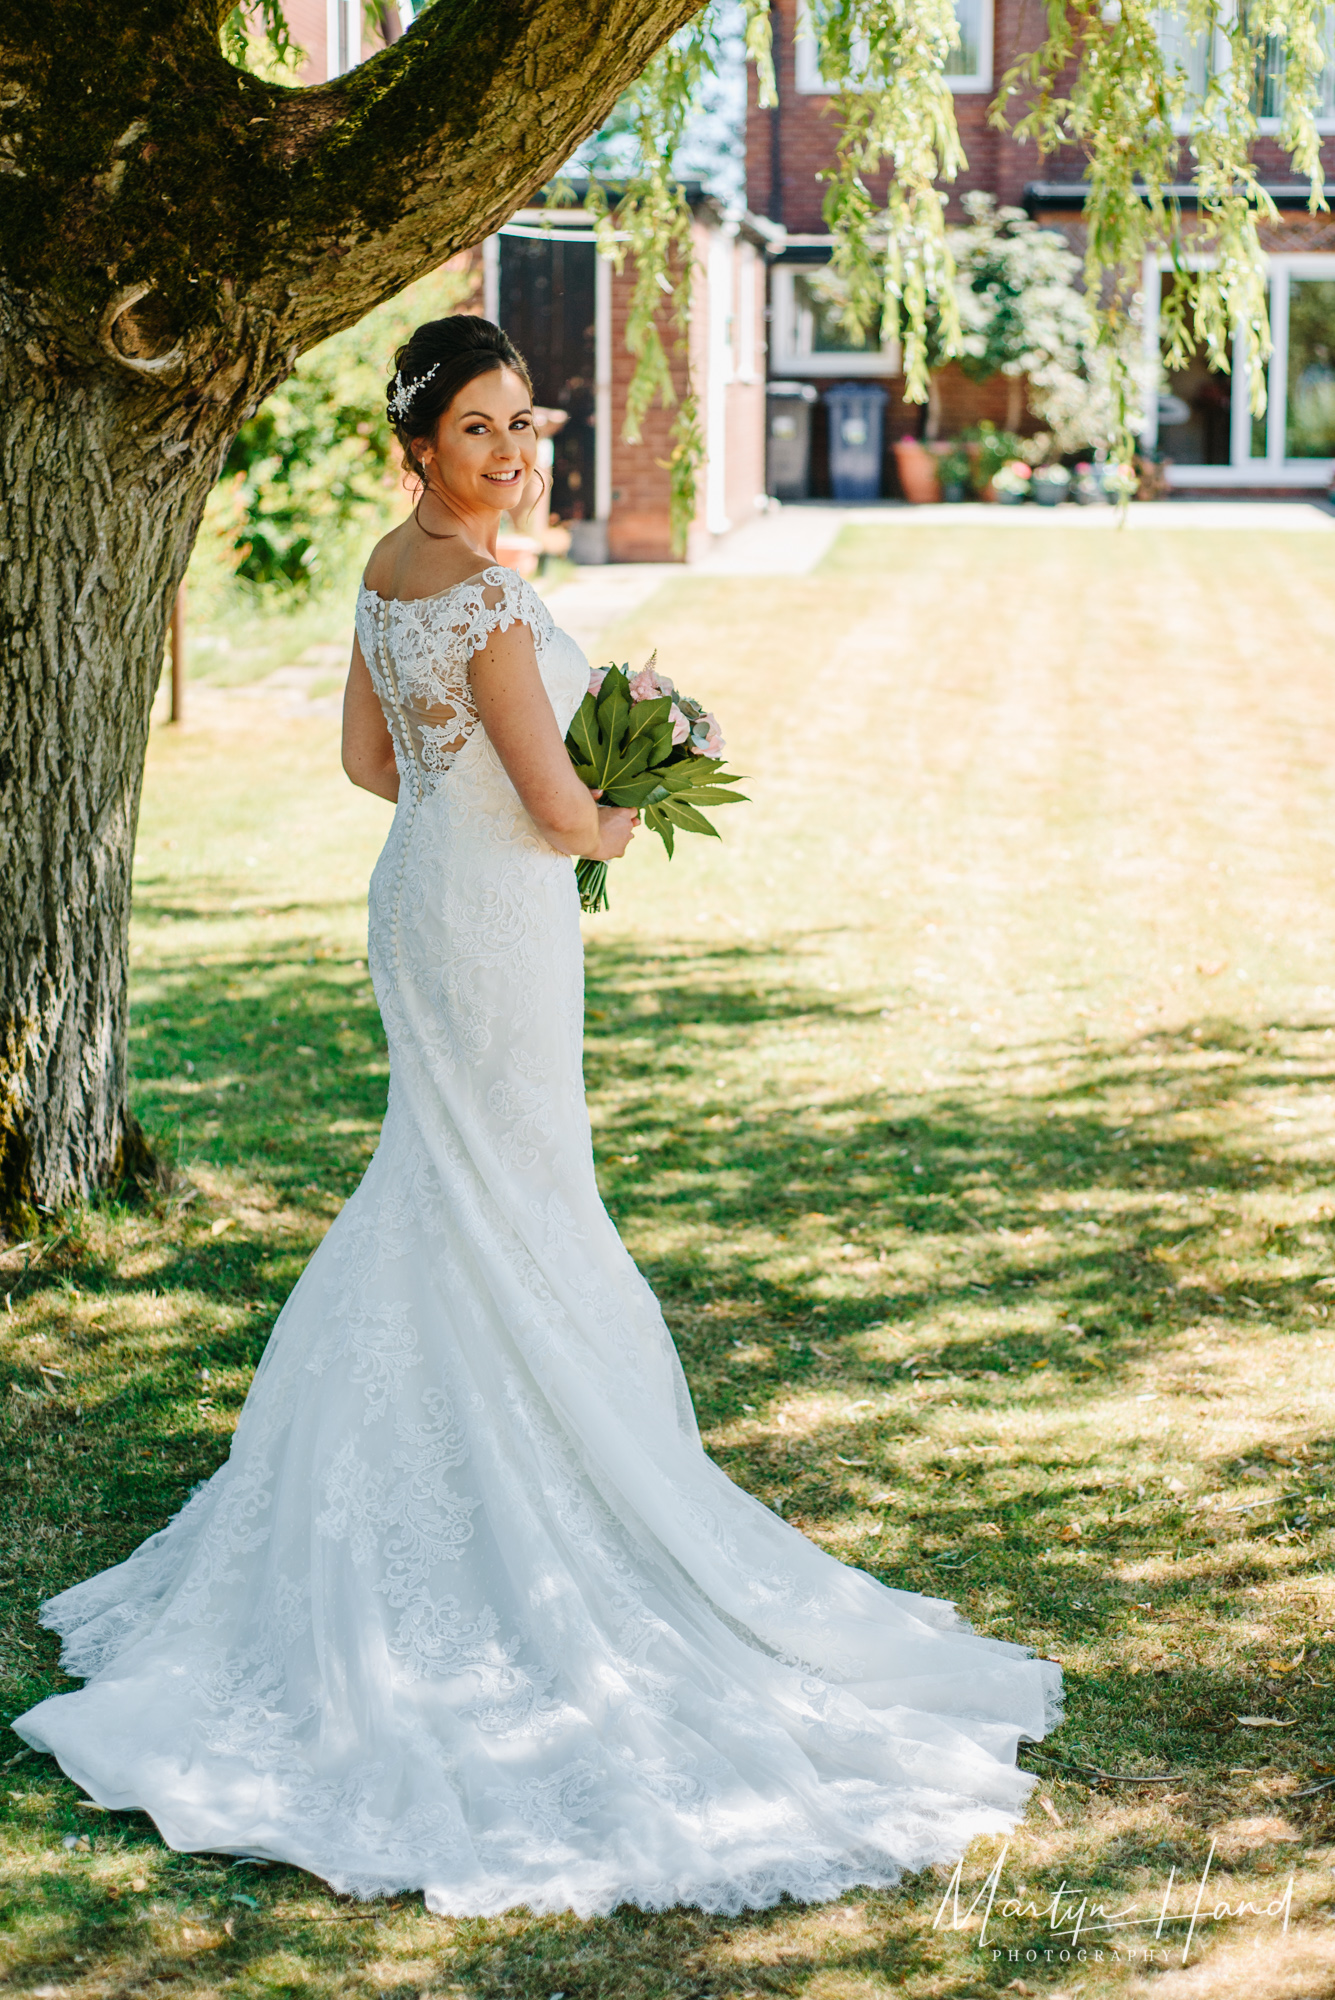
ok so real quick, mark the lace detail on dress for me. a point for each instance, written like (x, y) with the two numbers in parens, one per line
(418, 651)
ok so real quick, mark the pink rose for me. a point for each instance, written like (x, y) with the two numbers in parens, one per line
(596, 679)
(650, 686)
(681, 728)
(706, 736)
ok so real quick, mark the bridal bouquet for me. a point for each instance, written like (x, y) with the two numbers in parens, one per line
(641, 744)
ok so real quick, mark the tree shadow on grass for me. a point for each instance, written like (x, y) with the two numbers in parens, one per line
(1018, 1254)
(997, 1307)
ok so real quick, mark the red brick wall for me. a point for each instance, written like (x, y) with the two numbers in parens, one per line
(997, 163)
(637, 528)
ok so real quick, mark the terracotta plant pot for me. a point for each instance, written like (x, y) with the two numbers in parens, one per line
(917, 466)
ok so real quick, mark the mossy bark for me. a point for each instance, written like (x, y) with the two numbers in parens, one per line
(173, 234)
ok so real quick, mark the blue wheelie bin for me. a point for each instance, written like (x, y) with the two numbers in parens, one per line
(856, 413)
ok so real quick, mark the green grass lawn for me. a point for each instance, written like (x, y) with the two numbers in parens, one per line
(972, 1107)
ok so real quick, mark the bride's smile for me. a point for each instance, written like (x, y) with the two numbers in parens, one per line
(482, 455)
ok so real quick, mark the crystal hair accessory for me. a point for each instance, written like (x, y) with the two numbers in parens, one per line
(401, 395)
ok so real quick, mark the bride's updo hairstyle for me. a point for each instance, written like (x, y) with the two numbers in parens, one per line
(442, 357)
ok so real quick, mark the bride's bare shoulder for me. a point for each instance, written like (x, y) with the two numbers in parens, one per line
(406, 564)
(385, 560)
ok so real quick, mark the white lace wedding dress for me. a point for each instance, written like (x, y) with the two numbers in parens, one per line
(468, 1609)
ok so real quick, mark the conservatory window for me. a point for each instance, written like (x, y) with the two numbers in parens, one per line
(806, 337)
(1201, 419)
(1308, 415)
(1207, 53)
(970, 63)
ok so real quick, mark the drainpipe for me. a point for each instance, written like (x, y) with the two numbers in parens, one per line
(775, 203)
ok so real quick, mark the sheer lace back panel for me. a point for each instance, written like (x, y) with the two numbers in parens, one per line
(419, 651)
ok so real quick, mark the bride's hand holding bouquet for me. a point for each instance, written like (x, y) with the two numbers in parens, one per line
(616, 830)
(643, 748)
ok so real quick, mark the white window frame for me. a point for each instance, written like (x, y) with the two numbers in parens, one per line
(1271, 469)
(790, 350)
(749, 359)
(810, 82)
(1222, 54)
(720, 276)
(343, 19)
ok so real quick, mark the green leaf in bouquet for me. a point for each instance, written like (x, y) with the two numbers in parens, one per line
(636, 791)
(585, 734)
(648, 717)
(657, 822)
(686, 817)
(614, 702)
(678, 777)
(713, 795)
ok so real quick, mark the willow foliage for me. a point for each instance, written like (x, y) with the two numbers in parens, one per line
(1114, 79)
(1151, 96)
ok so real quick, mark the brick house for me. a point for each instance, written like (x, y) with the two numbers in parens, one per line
(337, 34)
(566, 310)
(1202, 421)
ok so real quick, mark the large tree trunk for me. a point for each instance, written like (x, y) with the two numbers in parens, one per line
(97, 533)
(173, 234)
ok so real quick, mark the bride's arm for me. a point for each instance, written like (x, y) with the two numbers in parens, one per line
(368, 750)
(513, 707)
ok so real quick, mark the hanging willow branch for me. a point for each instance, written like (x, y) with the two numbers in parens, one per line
(651, 222)
(1108, 78)
(1129, 105)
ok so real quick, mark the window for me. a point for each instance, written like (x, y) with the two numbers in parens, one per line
(1208, 53)
(806, 337)
(749, 360)
(343, 36)
(1195, 405)
(1202, 417)
(970, 63)
(1309, 400)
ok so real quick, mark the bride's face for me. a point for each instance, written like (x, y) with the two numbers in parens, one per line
(484, 448)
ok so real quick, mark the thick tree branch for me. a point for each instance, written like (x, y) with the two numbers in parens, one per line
(473, 110)
(249, 220)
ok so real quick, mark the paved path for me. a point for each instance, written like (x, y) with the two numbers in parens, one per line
(588, 603)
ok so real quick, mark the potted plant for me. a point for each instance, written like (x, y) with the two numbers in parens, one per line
(1011, 482)
(989, 449)
(1051, 484)
(917, 465)
(1089, 488)
(955, 471)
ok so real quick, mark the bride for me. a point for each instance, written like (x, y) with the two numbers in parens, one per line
(468, 1609)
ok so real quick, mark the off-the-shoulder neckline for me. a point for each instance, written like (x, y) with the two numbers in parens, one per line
(433, 596)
